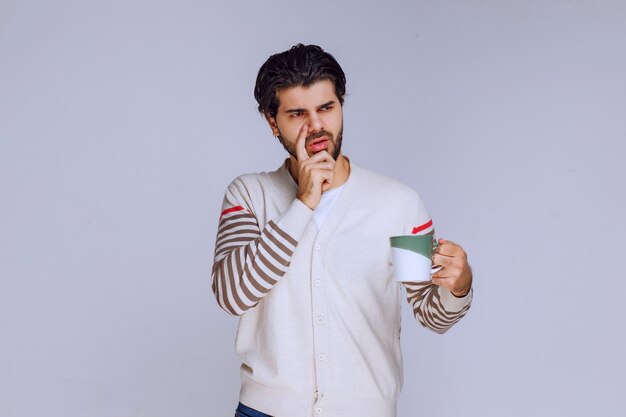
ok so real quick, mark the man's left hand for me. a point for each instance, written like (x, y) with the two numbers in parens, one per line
(456, 274)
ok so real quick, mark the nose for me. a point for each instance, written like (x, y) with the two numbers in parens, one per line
(315, 123)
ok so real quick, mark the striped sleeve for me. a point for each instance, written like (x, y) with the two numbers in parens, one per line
(249, 260)
(434, 307)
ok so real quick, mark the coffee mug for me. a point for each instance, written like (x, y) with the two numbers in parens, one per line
(412, 257)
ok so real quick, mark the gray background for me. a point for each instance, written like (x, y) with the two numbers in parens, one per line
(122, 122)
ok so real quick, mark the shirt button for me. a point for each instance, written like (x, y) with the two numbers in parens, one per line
(318, 282)
(318, 410)
(317, 247)
(320, 320)
(321, 356)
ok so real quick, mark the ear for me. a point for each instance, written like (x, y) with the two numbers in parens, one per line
(272, 122)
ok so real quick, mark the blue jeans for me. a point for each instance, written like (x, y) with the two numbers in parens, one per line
(244, 411)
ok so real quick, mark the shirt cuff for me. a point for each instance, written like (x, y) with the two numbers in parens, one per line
(295, 219)
(452, 303)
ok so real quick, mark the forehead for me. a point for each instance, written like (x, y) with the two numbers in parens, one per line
(319, 92)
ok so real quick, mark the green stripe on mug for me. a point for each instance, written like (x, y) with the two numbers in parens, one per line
(422, 244)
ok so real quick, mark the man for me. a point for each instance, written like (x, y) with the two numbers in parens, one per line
(302, 256)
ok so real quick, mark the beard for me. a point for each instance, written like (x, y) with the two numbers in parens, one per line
(291, 146)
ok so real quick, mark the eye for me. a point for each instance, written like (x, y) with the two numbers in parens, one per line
(326, 108)
(295, 114)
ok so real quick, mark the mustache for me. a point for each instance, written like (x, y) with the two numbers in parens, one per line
(319, 134)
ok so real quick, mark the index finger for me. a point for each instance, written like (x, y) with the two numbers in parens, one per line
(300, 149)
(445, 242)
(448, 248)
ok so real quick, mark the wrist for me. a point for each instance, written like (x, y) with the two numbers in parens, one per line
(306, 203)
(461, 294)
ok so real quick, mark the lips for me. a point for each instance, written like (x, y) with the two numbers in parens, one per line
(319, 144)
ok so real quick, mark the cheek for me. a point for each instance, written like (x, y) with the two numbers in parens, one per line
(334, 123)
(289, 129)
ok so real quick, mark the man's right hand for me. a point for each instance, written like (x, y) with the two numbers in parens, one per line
(315, 173)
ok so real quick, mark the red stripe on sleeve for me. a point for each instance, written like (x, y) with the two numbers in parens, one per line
(425, 226)
(230, 210)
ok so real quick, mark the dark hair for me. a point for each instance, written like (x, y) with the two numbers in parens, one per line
(301, 65)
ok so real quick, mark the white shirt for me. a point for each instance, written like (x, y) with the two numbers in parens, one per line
(329, 198)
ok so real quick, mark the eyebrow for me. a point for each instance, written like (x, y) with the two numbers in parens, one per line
(328, 103)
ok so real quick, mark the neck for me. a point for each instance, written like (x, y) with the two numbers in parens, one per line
(342, 170)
